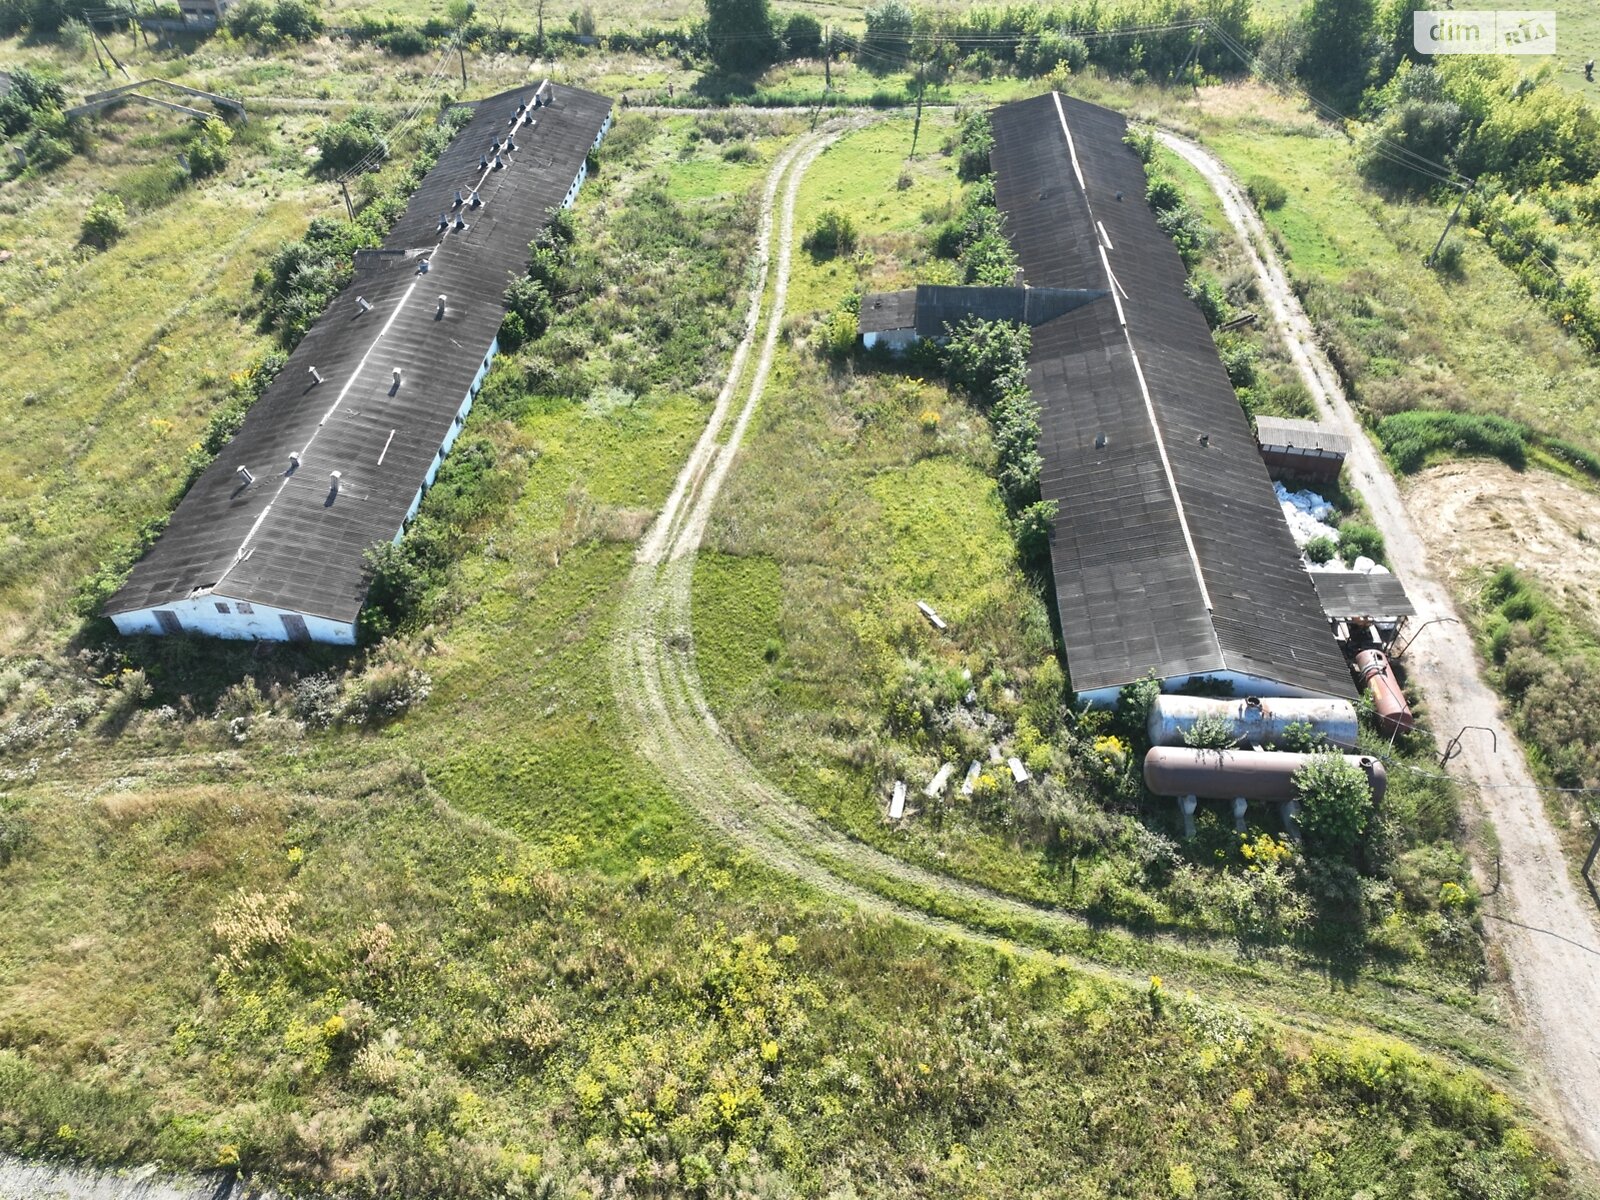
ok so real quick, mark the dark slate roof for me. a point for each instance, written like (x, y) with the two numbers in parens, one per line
(934, 309)
(883, 311)
(1169, 552)
(1355, 594)
(1302, 435)
(287, 540)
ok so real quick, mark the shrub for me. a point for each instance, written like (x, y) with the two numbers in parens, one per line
(106, 220)
(345, 144)
(407, 43)
(1266, 193)
(30, 94)
(988, 359)
(976, 143)
(1357, 540)
(1210, 731)
(740, 36)
(834, 233)
(889, 27)
(1336, 803)
(1321, 550)
(1239, 355)
(1209, 296)
(208, 149)
(1032, 531)
(1142, 142)
(844, 326)
(1449, 261)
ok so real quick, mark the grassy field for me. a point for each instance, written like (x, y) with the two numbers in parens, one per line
(483, 946)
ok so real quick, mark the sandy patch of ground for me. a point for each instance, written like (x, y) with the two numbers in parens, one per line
(1481, 513)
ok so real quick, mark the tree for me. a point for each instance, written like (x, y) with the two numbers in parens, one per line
(1336, 804)
(1338, 50)
(889, 28)
(740, 35)
(802, 36)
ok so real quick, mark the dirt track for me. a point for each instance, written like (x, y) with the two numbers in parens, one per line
(1545, 924)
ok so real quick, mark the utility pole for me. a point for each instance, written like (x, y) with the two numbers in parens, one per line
(916, 128)
(540, 10)
(462, 55)
(348, 206)
(1439, 245)
(827, 59)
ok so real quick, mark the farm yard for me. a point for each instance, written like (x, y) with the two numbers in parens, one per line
(577, 876)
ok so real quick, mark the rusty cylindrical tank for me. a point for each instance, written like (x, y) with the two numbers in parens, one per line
(1377, 676)
(1254, 774)
(1255, 722)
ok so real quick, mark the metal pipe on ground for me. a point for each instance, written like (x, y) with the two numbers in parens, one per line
(1254, 722)
(1262, 775)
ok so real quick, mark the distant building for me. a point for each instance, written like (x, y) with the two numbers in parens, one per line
(1169, 552)
(204, 12)
(270, 542)
(1300, 450)
(929, 311)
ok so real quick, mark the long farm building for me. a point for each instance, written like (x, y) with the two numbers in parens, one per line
(1169, 551)
(270, 543)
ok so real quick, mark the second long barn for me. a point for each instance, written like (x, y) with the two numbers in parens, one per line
(1169, 551)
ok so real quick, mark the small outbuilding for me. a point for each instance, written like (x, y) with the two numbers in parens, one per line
(1364, 608)
(1300, 450)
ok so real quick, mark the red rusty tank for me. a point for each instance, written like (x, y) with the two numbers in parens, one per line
(1265, 775)
(1394, 714)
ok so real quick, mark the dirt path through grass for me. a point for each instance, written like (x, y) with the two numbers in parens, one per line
(1545, 923)
(670, 722)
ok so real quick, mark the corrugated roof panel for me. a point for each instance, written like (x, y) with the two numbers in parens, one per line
(303, 545)
(1192, 478)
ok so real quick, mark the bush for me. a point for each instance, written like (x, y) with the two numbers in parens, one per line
(31, 93)
(1357, 540)
(740, 35)
(106, 220)
(988, 359)
(844, 327)
(208, 149)
(1239, 355)
(1336, 803)
(1209, 297)
(1266, 193)
(834, 233)
(1321, 550)
(1210, 731)
(346, 144)
(889, 28)
(1032, 531)
(976, 143)
(407, 43)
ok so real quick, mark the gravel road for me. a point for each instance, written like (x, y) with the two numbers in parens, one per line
(1545, 923)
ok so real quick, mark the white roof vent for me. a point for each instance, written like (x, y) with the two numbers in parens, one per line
(333, 480)
(460, 224)
(441, 303)
(316, 375)
(363, 304)
(398, 375)
(476, 201)
(1101, 441)
(483, 162)
(510, 142)
(294, 461)
(444, 221)
(245, 477)
(499, 163)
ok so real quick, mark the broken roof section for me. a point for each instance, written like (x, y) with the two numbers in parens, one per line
(1169, 551)
(289, 538)
(933, 310)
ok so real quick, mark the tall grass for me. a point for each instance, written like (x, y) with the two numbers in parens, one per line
(1413, 439)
